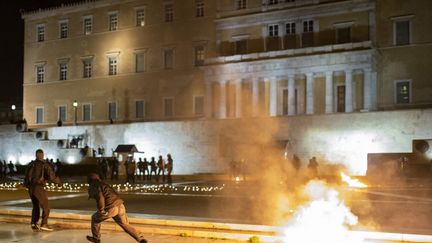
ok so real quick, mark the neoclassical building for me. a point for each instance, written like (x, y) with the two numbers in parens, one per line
(137, 60)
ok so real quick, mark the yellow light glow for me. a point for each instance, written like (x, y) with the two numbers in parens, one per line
(352, 182)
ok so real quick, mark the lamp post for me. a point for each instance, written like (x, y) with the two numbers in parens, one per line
(75, 105)
(13, 107)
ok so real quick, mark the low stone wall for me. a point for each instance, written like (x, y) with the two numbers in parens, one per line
(207, 146)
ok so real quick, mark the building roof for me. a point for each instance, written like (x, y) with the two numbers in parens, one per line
(126, 148)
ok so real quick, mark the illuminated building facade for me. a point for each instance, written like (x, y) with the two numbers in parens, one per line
(135, 61)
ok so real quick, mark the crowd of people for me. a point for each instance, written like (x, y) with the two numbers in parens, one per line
(143, 170)
(10, 169)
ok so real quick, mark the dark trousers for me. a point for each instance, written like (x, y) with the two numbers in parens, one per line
(119, 215)
(39, 200)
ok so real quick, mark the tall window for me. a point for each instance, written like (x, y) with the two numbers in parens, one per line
(199, 55)
(64, 30)
(273, 30)
(87, 68)
(403, 92)
(113, 22)
(402, 32)
(169, 13)
(140, 17)
(140, 62)
(62, 113)
(169, 107)
(241, 4)
(112, 63)
(343, 34)
(39, 115)
(290, 28)
(86, 112)
(63, 71)
(168, 59)
(199, 105)
(199, 8)
(139, 109)
(112, 110)
(40, 73)
(40, 33)
(308, 26)
(88, 25)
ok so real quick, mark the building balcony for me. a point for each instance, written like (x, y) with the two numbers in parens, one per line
(291, 47)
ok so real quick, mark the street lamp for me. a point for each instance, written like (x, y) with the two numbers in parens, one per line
(75, 105)
(13, 107)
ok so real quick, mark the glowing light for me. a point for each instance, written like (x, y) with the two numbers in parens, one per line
(237, 178)
(325, 218)
(11, 158)
(352, 182)
(71, 160)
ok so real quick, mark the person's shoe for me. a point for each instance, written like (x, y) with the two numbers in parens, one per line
(92, 239)
(45, 227)
(143, 241)
(35, 227)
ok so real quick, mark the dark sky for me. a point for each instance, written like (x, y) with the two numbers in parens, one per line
(12, 44)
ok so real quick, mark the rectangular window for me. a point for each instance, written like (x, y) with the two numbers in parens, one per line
(112, 62)
(199, 105)
(241, 4)
(139, 108)
(403, 92)
(290, 28)
(40, 74)
(308, 26)
(62, 113)
(140, 17)
(39, 115)
(273, 2)
(64, 30)
(87, 68)
(169, 13)
(88, 25)
(169, 107)
(168, 59)
(63, 71)
(199, 8)
(199, 55)
(343, 35)
(402, 35)
(40, 33)
(139, 62)
(113, 22)
(86, 112)
(273, 30)
(112, 110)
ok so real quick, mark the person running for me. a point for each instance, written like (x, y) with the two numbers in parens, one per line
(37, 173)
(109, 205)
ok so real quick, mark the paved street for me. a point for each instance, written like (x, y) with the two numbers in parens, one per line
(22, 233)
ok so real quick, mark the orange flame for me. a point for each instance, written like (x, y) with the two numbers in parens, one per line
(352, 182)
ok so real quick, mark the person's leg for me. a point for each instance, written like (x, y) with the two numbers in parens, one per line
(40, 194)
(122, 220)
(36, 210)
(98, 218)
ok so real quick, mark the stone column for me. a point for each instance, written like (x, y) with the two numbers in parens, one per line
(291, 95)
(238, 98)
(273, 96)
(255, 97)
(209, 99)
(367, 98)
(348, 91)
(309, 94)
(329, 92)
(264, 36)
(222, 106)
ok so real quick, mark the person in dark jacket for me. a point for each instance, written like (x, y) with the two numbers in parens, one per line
(37, 173)
(109, 205)
(153, 167)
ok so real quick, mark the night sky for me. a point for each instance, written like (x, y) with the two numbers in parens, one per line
(12, 38)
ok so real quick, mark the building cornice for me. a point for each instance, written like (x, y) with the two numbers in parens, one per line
(62, 9)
